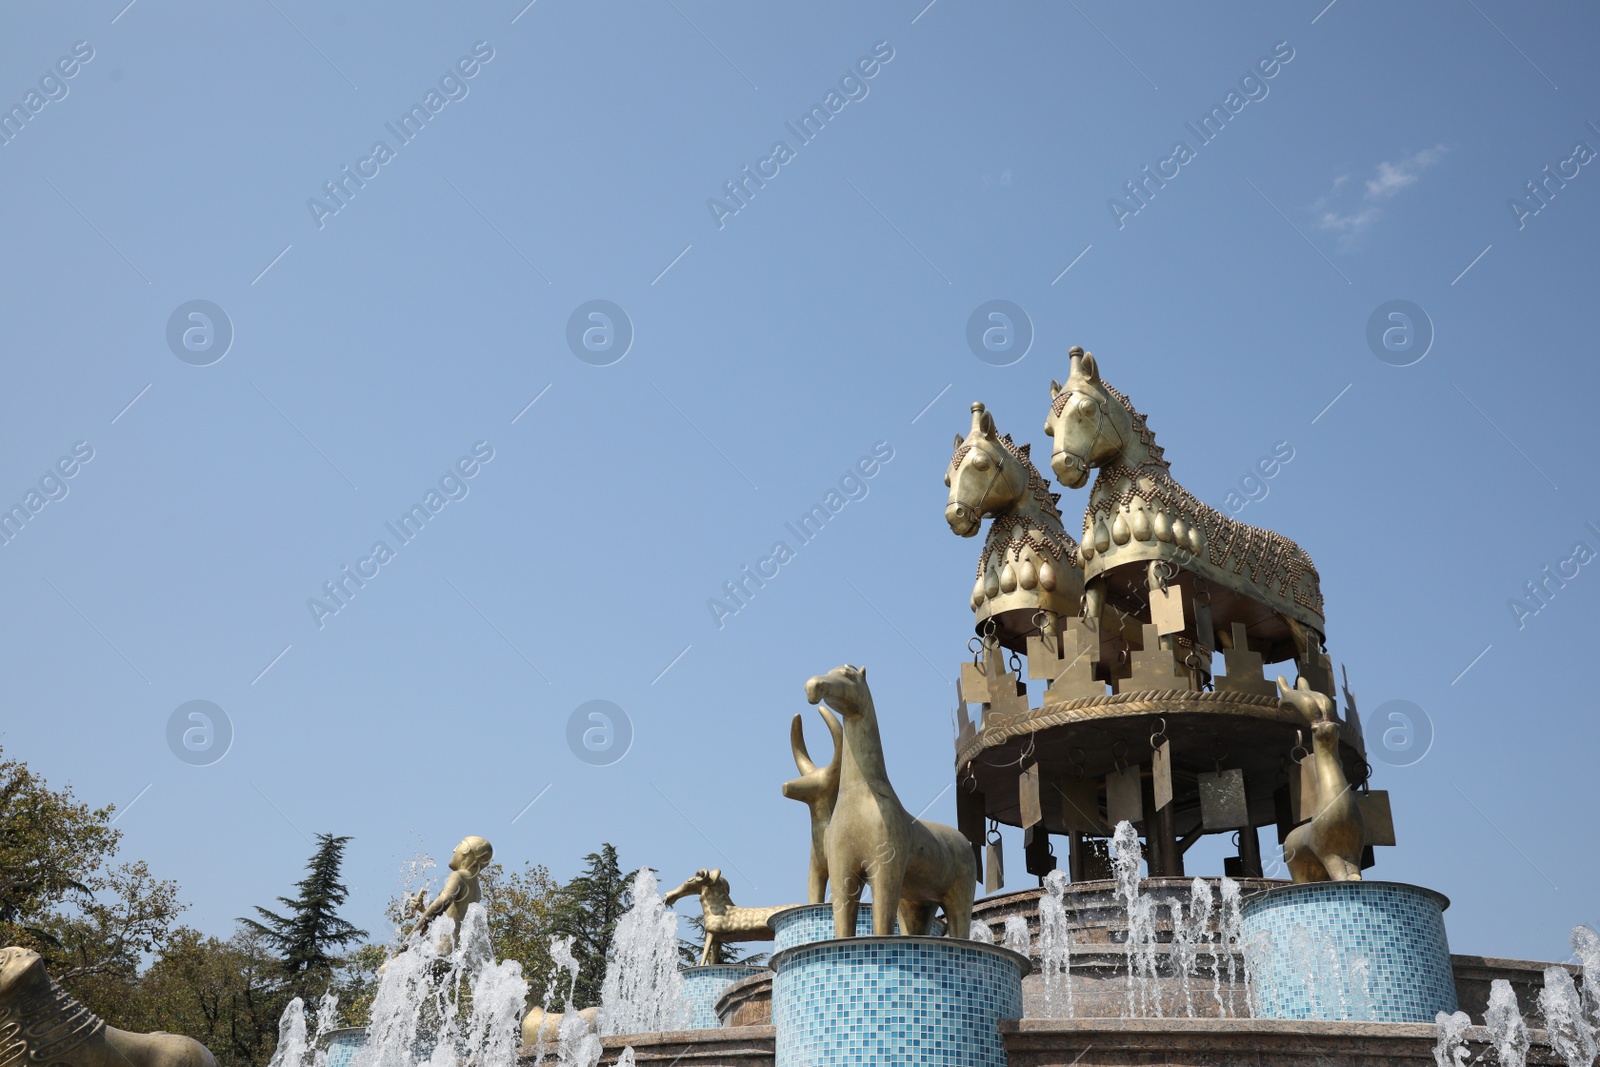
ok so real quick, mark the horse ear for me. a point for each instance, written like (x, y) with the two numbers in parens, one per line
(960, 441)
(716, 874)
(1055, 388)
(1091, 369)
(987, 422)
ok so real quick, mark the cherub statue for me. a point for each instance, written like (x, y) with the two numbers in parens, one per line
(461, 888)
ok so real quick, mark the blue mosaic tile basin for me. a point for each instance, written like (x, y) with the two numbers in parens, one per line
(1349, 950)
(894, 1000)
(703, 985)
(806, 923)
(342, 1045)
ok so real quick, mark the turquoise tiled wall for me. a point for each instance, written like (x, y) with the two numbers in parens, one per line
(1397, 929)
(891, 1000)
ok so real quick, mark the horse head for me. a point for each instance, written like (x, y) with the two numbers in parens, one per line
(845, 690)
(1089, 425)
(984, 478)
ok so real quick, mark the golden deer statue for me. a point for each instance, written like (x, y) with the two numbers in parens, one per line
(724, 921)
(1329, 847)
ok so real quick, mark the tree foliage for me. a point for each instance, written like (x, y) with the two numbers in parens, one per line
(587, 910)
(61, 894)
(307, 938)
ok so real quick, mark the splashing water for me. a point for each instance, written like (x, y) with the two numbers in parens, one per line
(1231, 933)
(1572, 1036)
(1506, 1029)
(1055, 946)
(292, 1044)
(981, 933)
(1586, 946)
(1451, 1048)
(643, 989)
(1017, 938)
(416, 1013)
(1143, 997)
(1358, 983)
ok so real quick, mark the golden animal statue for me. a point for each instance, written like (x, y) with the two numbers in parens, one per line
(41, 1025)
(818, 789)
(1329, 847)
(724, 921)
(542, 1029)
(1143, 528)
(913, 867)
(1029, 573)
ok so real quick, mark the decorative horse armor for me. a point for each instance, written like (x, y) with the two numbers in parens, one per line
(1143, 530)
(1029, 573)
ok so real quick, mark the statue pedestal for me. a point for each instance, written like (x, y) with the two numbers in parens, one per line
(894, 1000)
(1365, 951)
(702, 986)
(807, 923)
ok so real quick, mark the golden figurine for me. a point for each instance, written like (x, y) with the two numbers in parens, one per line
(1328, 848)
(1143, 528)
(913, 867)
(1029, 574)
(818, 789)
(41, 1023)
(725, 922)
(461, 889)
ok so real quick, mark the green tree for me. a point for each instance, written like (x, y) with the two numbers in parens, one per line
(227, 995)
(587, 910)
(307, 938)
(523, 906)
(61, 895)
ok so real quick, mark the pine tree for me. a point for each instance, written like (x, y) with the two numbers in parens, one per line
(307, 938)
(589, 908)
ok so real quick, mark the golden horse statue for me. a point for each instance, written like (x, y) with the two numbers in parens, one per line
(1142, 529)
(914, 868)
(1029, 573)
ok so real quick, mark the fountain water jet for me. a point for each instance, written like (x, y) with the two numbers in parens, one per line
(1507, 1030)
(1572, 1035)
(643, 989)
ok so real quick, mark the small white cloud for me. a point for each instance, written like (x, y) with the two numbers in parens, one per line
(1393, 177)
(1390, 178)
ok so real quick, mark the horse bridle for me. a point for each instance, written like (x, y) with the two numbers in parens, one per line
(963, 509)
(1059, 404)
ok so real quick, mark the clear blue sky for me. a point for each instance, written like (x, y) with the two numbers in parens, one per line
(374, 346)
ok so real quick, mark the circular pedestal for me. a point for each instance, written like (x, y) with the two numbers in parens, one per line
(1349, 950)
(703, 985)
(748, 1002)
(894, 1000)
(342, 1045)
(807, 923)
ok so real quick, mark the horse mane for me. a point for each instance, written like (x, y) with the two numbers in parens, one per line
(1037, 486)
(1141, 426)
